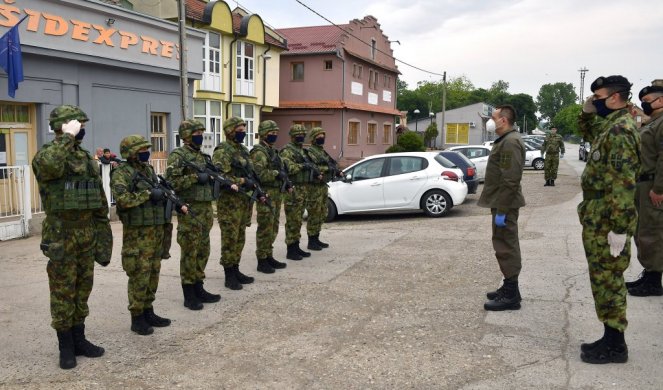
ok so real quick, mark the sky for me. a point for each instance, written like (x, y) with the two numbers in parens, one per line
(526, 43)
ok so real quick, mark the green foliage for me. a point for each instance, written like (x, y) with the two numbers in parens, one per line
(430, 134)
(566, 120)
(408, 142)
(526, 110)
(553, 97)
(395, 149)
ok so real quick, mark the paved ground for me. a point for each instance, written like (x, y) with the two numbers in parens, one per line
(396, 302)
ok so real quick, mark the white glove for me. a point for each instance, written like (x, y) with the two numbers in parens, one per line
(72, 127)
(589, 107)
(617, 242)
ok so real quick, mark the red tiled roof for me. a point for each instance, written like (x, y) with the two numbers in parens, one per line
(337, 104)
(314, 39)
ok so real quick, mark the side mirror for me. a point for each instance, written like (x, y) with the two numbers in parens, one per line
(348, 178)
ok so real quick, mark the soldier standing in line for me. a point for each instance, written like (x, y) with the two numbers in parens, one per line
(142, 209)
(294, 203)
(607, 212)
(649, 196)
(76, 230)
(550, 151)
(271, 172)
(317, 199)
(503, 194)
(186, 166)
(234, 209)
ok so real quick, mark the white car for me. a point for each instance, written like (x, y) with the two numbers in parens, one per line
(533, 157)
(479, 156)
(398, 182)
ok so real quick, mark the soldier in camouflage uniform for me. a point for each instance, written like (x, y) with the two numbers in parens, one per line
(550, 150)
(142, 210)
(294, 203)
(186, 166)
(234, 209)
(607, 211)
(317, 197)
(273, 177)
(503, 194)
(649, 196)
(76, 230)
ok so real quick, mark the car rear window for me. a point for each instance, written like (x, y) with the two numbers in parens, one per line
(463, 157)
(444, 161)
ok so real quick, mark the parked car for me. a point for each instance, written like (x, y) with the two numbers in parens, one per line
(584, 150)
(478, 154)
(533, 157)
(488, 144)
(534, 141)
(398, 182)
(467, 166)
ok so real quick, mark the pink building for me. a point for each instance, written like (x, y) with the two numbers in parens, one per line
(343, 80)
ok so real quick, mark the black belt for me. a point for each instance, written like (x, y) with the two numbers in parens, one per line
(646, 177)
(592, 195)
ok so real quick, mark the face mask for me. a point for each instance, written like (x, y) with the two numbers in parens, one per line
(491, 126)
(319, 141)
(239, 137)
(143, 156)
(271, 138)
(197, 139)
(299, 139)
(80, 135)
(601, 109)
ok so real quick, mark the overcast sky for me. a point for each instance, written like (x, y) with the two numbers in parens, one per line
(527, 43)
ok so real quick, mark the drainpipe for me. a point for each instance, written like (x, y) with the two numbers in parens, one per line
(230, 73)
(338, 54)
(264, 78)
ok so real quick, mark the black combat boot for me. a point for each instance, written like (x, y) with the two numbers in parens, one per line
(190, 299)
(231, 279)
(82, 347)
(243, 279)
(491, 295)
(586, 347)
(547, 183)
(265, 267)
(313, 244)
(611, 348)
(302, 252)
(508, 299)
(638, 281)
(140, 326)
(155, 320)
(66, 347)
(649, 285)
(322, 244)
(293, 253)
(552, 182)
(275, 263)
(204, 296)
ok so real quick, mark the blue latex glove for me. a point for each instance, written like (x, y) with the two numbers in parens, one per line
(500, 220)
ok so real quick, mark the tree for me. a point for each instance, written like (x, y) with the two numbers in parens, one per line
(408, 142)
(553, 97)
(525, 109)
(430, 134)
(566, 120)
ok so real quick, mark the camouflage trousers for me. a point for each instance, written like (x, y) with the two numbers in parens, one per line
(268, 223)
(550, 166)
(507, 245)
(606, 273)
(649, 232)
(70, 269)
(294, 205)
(141, 260)
(194, 241)
(234, 215)
(316, 204)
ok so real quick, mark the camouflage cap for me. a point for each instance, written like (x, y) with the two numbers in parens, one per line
(62, 114)
(230, 124)
(617, 81)
(188, 126)
(129, 146)
(297, 130)
(656, 86)
(316, 131)
(266, 127)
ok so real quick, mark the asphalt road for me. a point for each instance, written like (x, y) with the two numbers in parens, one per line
(395, 302)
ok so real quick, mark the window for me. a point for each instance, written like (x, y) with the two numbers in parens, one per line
(308, 124)
(245, 82)
(458, 133)
(373, 48)
(209, 113)
(387, 81)
(245, 111)
(386, 134)
(297, 71)
(401, 165)
(329, 64)
(158, 135)
(353, 133)
(373, 78)
(371, 169)
(372, 133)
(17, 113)
(356, 70)
(211, 80)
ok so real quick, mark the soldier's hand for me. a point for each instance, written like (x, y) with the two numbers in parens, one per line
(234, 187)
(320, 177)
(184, 209)
(72, 127)
(655, 198)
(588, 107)
(500, 220)
(616, 242)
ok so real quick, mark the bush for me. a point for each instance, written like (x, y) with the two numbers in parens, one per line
(394, 149)
(409, 142)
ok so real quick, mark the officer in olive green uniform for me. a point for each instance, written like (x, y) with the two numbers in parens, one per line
(142, 210)
(273, 178)
(316, 203)
(76, 230)
(607, 212)
(649, 196)
(234, 209)
(550, 150)
(294, 204)
(503, 194)
(186, 172)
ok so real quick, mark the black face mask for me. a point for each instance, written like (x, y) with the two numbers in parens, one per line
(80, 135)
(601, 109)
(299, 139)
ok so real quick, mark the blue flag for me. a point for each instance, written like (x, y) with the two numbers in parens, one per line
(10, 58)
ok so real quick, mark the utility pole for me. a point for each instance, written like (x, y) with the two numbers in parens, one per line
(184, 82)
(444, 105)
(582, 71)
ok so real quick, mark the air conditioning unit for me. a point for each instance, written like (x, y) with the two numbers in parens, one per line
(472, 124)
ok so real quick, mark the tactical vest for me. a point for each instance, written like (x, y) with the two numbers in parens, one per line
(240, 162)
(274, 163)
(302, 176)
(197, 192)
(80, 189)
(148, 213)
(319, 157)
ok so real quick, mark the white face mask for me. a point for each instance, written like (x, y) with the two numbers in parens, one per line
(491, 126)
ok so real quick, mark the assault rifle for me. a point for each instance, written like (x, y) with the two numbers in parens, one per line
(168, 193)
(219, 181)
(314, 171)
(283, 171)
(257, 192)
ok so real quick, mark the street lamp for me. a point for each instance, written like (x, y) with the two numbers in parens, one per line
(432, 115)
(416, 122)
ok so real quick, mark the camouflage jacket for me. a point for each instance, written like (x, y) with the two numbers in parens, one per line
(127, 191)
(183, 178)
(232, 160)
(651, 137)
(319, 156)
(613, 165)
(293, 157)
(267, 164)
(502, 189)
(553, 144)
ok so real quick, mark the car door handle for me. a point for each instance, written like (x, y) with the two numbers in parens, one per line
(414, 178)
(375, 184)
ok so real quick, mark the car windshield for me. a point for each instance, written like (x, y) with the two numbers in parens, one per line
(444, 161)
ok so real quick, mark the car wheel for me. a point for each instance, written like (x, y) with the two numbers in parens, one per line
(436, 203)
(331, 211)
(538, 164)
